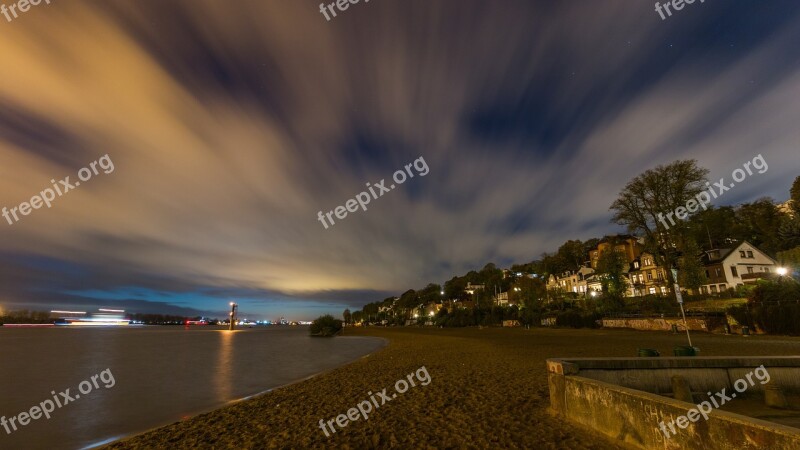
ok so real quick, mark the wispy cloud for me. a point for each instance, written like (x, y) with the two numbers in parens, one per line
(231, 125)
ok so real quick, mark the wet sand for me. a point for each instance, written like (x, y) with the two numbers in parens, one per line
(488, 389)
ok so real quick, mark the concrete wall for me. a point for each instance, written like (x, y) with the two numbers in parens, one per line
(631, 417)
(665, 324)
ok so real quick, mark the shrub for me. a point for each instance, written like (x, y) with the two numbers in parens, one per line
(652, 304)
(744, 290)
(326, 326)
(778, 319)
(741, 315)
(576, 319)
(530, 317)
(773, 306)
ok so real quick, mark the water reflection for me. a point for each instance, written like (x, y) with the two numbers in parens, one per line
(223, 376)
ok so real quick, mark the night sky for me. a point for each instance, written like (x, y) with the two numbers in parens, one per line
(231, 124)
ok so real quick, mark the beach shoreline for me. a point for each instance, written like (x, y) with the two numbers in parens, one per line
(488, 389)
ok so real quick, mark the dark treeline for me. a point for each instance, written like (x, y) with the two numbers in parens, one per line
(163, 319)
(25, 316)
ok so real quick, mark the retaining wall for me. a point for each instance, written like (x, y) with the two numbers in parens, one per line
(709, 324)
(599, 394)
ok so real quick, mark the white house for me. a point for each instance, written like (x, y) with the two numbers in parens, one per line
(471, 288)
(730, 267)
(571, 281)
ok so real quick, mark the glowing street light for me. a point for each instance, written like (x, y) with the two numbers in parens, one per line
(782, 271)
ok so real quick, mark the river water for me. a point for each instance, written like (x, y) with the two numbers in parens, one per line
(160, 375)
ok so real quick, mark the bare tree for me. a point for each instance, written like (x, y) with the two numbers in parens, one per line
(650, 197)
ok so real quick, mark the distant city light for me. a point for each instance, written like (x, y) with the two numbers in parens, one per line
(69, 312)
(113, 310)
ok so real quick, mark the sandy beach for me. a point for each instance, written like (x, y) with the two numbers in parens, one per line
(488, 389)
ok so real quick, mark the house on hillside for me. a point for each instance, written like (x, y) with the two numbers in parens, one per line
(787, 207)
(501, 299)
(552, 283)
(628, 245)
(388, 306)
(471, 288)
(594, 284)
(730, 267)
(571, 281)
(646, 278)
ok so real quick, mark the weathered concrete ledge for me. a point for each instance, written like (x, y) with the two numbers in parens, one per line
(709, 324)
(619, 397)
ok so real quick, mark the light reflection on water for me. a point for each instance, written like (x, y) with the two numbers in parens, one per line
(223, 379)
(162, 375)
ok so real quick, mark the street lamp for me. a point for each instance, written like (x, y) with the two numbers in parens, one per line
(782, 271)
